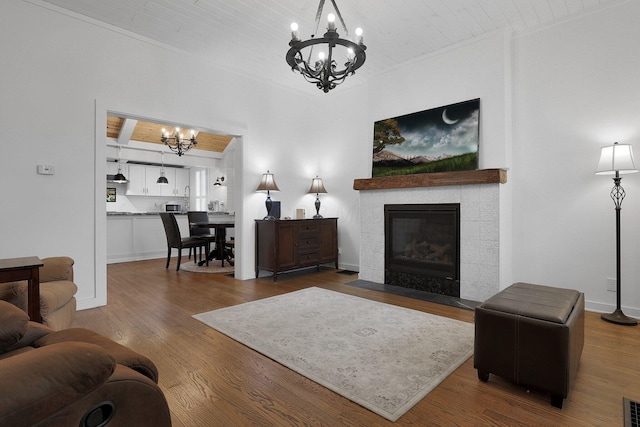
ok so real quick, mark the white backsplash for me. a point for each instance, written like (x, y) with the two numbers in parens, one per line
(126, 203)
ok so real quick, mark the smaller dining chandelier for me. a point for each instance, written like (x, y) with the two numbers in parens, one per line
(325, 72)
(177, 142)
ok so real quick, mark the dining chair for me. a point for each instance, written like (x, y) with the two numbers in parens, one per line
(174, 240)
(200, 232)
(229, 252)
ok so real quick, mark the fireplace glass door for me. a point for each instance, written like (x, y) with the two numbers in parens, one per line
(422, 247)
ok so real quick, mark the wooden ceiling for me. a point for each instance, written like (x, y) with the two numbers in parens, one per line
(151, 132)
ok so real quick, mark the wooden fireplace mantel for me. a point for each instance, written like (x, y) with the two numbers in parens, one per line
(479, 176)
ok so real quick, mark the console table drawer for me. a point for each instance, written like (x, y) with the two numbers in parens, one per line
(309, 229)
(308, 257)
(309, 242)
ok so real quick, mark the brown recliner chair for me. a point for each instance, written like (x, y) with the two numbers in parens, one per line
(57, 290)
(74, 377)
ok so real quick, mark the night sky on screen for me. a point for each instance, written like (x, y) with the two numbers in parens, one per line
(450, 130)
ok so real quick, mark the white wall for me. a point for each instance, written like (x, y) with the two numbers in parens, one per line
(481, 69)
(576, 89)
(65, 74)
(549, 100)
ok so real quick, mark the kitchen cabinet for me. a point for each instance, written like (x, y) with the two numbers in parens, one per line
(291, 244)
(139, 179)
(119, 238)
(142, 181)
(139, 237)
(178, 181)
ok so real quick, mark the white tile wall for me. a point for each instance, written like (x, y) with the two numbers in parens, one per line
(479, 232)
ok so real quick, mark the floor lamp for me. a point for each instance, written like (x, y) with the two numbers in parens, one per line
(617, 159)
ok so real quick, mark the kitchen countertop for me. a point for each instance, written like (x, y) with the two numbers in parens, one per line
(211, 215)
(136, 213)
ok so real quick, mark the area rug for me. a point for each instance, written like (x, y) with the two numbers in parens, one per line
(213, 267)
(383, 357)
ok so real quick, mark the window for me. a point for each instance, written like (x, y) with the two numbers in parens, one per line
(201, 190)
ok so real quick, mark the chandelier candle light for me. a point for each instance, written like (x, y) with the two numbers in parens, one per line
(617, 159)
(325, 72)
(268, 184)
(317, 187)
(177, 142)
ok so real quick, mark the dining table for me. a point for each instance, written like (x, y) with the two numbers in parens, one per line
(220, 251)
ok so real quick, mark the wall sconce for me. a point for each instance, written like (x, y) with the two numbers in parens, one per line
(317, 187)
(219, 181)
(617, 159)
(268, 184)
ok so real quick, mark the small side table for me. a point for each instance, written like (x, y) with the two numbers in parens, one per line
(28, 268)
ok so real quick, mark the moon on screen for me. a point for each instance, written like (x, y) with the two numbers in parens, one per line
(446, 119)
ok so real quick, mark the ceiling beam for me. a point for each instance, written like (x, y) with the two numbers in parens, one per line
(126, 131)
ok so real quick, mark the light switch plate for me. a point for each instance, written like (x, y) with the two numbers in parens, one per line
(46, 170)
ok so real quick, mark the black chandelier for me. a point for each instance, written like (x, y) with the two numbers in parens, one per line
(177, 142)
(324, 72)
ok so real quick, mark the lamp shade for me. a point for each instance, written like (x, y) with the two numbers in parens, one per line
(616, 158)
(119, 177)
(267, 183)
(317, 186)
(162, 180)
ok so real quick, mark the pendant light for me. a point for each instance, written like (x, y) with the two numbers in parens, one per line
(162, 180)
(119, 177)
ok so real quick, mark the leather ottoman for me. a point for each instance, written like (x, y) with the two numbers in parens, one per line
(532, 335)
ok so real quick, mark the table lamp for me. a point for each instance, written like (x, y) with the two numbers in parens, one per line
(268, 184)
(317, 187)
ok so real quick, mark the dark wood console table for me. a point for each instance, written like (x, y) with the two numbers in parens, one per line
(28, 268)
(290, 244)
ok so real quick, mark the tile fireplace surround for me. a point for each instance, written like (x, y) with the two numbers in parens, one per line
(478, 193)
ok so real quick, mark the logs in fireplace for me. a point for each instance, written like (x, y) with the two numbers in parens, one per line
(422, 247)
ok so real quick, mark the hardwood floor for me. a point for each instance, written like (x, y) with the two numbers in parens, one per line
(211, 380)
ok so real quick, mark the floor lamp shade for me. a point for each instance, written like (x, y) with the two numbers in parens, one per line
(268, 184)
(317, 187)
(615, 160)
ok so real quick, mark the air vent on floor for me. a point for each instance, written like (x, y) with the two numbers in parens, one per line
(631, 413)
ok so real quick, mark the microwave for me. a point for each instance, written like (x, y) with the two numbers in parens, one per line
(170, 207)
